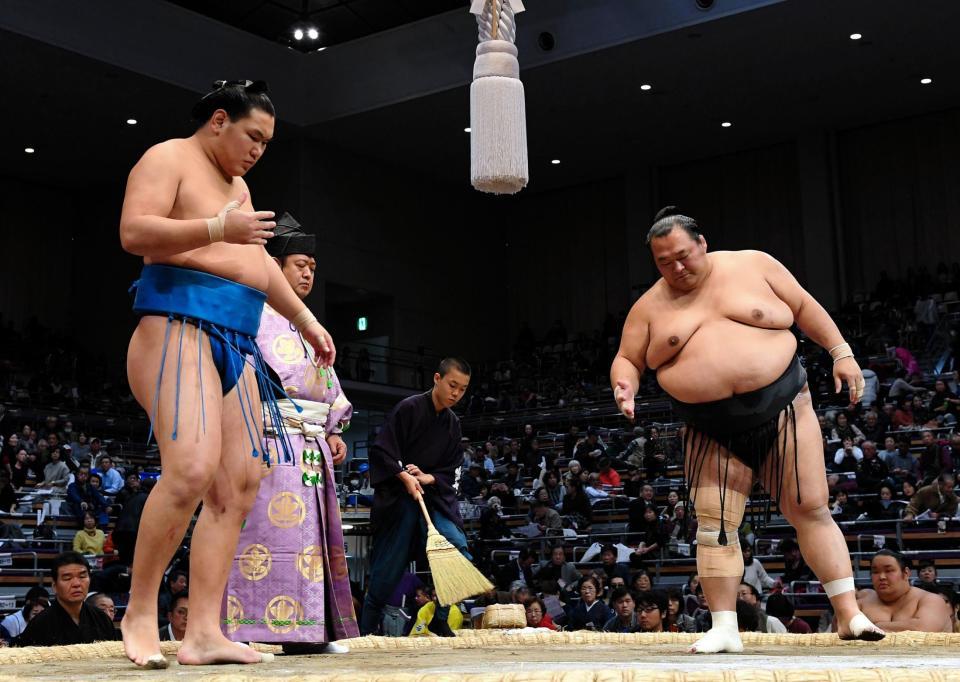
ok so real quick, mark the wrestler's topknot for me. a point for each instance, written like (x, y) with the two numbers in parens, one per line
(670, 217)
(237, 98)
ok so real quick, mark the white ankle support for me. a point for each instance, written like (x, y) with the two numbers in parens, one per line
(839, 586)
(724, 619)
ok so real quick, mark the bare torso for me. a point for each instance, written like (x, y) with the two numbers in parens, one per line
(906, 608)
(201, 193)
(730, 335)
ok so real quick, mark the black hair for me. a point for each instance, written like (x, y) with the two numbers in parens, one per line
(458, 364)
(177, 597)
(176, 573)
(619, 593)
(673, 594)
(237, 98)
(902, 560)
(754, 590)
(780, 606)
(67, 559)
(670, 217)
(945, 476)
(523, 554)
(748, 620)
(926, 563)
(656, 598)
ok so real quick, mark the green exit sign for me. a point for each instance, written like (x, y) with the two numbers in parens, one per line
(361, 324)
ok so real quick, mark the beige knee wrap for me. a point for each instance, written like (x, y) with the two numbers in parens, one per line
(713, 559)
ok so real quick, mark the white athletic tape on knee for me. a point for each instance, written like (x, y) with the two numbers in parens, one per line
(839, 586)
(715, 560)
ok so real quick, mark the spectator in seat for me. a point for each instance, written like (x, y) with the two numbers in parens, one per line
(749, 594)
(901, 387)
(902, 464)
(177, 583)
(573, 472)
(551, 483)
(625, 618)
(89, 539)
(558, 568)
(69, 620)
(748, 620)
(570, 440)
(517, 570)
(842, 508)
(36, 600)
(55, 474)
(81, 497)
(631, 486)
(537, 616)
(677, 620)
(779, 606)
(642, 582)
(844, 429)
(591, 450)
(893, 605)
(847, 457)
(103, 601)
(794, 567)
(590, 613)
(608, 475)
(594, 489)
(112, 479)
(883, 509)
(903, 416)
(546, 517)
(576, 505)
(513, 478)
(612, 569)
(871, 471)
(8, 496)
(177, 619)
(754, 574)
(934, 458)
(656, 452)
(921, 415)
(944, 404)
(889, 449)
(673, 498)
(130, 488)
(680, 529)
(492, 525)
(927, 572)
(471, 482)
(645, 522)
(937, 498)
(20, 470)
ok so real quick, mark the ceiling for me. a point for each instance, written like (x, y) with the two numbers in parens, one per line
(774, 72)
(338, 21)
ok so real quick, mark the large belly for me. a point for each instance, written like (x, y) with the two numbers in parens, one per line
(241, 263)
(724, 358)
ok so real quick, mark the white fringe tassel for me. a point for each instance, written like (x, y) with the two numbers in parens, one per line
(498, 138)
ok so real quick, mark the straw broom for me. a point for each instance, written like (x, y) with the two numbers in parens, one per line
(454, 577)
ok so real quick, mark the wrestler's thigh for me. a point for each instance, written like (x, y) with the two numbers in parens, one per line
(195, 451)
(809, 462)
(239, 474)
(706, 463)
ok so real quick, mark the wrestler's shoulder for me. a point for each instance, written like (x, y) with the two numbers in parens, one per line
(740, 257)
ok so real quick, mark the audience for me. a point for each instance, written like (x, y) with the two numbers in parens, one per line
(177, 619)
(590, 613)
(89, 539)
(651, 610)
(781, 607)
(936, 500)
(69, 620)
(624, 617)
(36, 600)
(537, 616)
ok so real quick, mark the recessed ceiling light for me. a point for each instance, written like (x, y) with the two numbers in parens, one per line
(321, 49)
(926, 81)
(467, 130)
(646, 86)
(556, 162)
(856, 36)
(313, 33)
(131, 121)
(298, 34)
(29, 150)
(726, 124)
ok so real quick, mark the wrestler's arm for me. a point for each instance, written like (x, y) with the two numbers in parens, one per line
(810, 316)
(630, 361)
(931, 615)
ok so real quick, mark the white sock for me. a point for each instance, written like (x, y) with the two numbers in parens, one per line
(723, 636)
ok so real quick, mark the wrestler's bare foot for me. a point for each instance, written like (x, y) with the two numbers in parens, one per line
(860, 627)
(141, 641)
(217, 649)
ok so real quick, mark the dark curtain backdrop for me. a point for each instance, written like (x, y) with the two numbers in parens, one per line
(900, 192)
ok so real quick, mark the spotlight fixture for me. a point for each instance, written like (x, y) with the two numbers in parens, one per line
(313, 33)
(305, 32)
(856, 36)
(926, 81)
(726, 124)
(298, 34)
(555, 162)
(467, 129)
(131, 121)
(646, 86)
(29, 150)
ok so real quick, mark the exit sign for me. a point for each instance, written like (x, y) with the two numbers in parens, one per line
(361, 324)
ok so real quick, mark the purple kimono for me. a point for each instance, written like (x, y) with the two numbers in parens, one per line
(289, 580)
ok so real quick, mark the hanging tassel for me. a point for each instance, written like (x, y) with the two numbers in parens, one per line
(498, 128)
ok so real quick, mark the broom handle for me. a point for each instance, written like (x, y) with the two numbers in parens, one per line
(426, 514)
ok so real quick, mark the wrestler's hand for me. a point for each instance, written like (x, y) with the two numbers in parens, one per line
(411, 484)
(322, 343)
(245, 227)
(847, 371)
(338, 449)
(624, 396)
